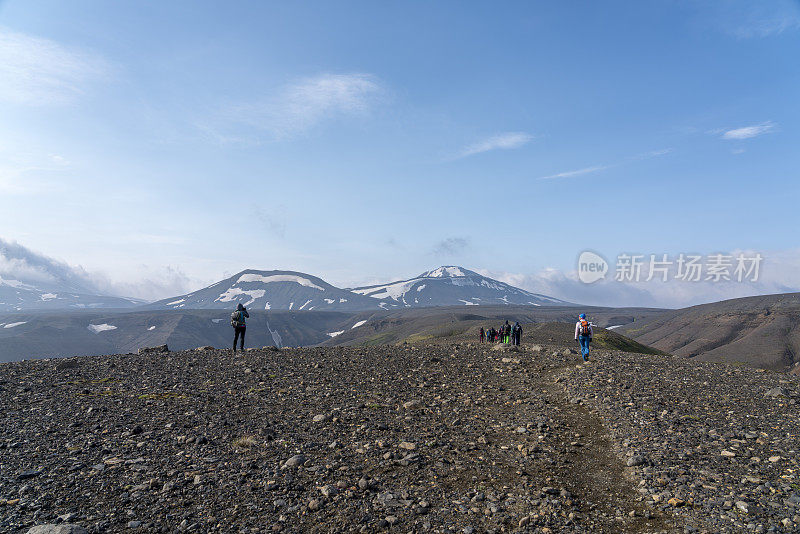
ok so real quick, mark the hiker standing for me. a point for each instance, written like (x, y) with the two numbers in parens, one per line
(517, 333)
(506, 333)
(239, 325)
(583, 335)
(482, 335)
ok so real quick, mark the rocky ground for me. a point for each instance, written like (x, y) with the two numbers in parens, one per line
(443, 437)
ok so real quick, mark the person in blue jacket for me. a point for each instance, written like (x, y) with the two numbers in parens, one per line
(583, 335)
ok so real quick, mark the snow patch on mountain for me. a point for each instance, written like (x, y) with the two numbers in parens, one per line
(447, 271)
(394, 291)
(12, 325)
(97, 328)
(252, 277)
(232, 292)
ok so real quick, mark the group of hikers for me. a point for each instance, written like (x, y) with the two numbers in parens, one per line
(513, 334)
(505, 334)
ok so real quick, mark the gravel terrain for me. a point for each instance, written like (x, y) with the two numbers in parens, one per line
(446, 436)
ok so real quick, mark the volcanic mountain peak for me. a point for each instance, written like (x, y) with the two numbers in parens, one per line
(270, 290)
(452, 285)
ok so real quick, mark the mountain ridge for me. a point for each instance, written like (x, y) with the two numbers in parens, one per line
(293, 290)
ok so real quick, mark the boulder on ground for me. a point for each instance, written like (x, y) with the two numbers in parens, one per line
(153, 350)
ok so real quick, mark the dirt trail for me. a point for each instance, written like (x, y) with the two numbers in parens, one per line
(587, 464)
(599, 473)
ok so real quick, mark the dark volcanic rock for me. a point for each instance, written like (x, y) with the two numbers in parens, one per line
(440, 437)
(154, 350)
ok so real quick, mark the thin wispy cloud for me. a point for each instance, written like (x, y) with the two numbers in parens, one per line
(598, 168)
(576, 172)
(36, 71)
(305, 104)
(748, 132)
(503, 141)
(451, 246)
(747, 19)
(652, 154)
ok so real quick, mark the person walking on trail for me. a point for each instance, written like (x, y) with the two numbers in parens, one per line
(506, 333)
(482, 335)
(583, 335)
(516, 333)
(239, 324)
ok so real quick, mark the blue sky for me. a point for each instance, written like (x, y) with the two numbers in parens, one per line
(178, 142)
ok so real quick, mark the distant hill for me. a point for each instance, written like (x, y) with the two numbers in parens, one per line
(419, 324)
(761, 331)
(41, 335)
(94, 332)
(18, 295)
(453, 286)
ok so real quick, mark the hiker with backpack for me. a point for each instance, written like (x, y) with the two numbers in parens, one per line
(238, 322)
(482, 335)
(516, 334)
(583, 335)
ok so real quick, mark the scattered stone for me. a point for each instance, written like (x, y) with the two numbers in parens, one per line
(58, 529)
(777, 392)
(635, 460)
(294, 461)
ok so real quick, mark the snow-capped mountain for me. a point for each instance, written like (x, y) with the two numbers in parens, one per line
(16, 295)
(452, 286)
(289, 290)
(270, 290)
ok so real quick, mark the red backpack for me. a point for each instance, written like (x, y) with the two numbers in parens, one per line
(585, 327)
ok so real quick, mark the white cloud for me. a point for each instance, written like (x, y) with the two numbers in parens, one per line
(147, 283)
(748, 132)
(301, 106)
(578, 172)
(503, 141)
(778, 273)
(20, 263)
(36, 71)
